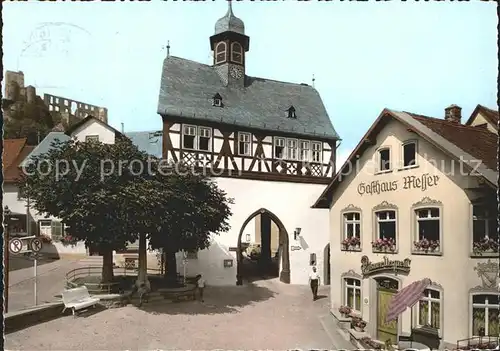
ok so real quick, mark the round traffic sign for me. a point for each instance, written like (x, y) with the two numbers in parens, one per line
(36, 244)
(15, 245)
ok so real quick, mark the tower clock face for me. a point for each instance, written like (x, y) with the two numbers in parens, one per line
(236, 72)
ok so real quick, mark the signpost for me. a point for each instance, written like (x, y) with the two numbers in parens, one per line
(36, 246)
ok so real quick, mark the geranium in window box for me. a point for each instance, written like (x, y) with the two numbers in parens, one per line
(487, 244)
(358, 324)
(69, 240)
(384, 245)
(345, 311)
(369, 343)
(426, 245)
(351, 243)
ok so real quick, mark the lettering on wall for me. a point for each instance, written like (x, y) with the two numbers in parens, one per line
(423, 182)
(386, 265)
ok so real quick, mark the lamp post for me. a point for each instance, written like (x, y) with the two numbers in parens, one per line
(6, 214)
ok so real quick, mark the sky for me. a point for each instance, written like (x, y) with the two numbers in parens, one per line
(412, 56)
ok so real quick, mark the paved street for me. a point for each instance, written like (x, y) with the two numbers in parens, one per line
(262, 315)
(50, 282)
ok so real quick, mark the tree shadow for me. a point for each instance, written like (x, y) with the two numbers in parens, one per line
(89, 312)
(319, 297)
(22, 261)
(217, 300)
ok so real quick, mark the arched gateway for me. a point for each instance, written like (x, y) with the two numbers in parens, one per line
(284, 274)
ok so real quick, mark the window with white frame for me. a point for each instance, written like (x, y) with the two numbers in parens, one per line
(292, 149)
(485, 316)
(304, 149)
(52, 228)
(236, 52)
(428, 229)
(204, 137)
(91, 138)
(189, 137)
(410, 153)
(352, 293)
(220, 52)
(351, 230)
(429, 309)
(386, 231)
(484, 228)
(384, 156)
(316, 151)
(279, 148)
(244, 144)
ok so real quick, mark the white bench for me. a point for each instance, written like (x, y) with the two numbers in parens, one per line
(78, 299)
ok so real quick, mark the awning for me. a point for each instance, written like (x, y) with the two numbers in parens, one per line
(407, 297)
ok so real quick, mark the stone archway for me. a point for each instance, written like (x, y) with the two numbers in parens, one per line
(284, 274)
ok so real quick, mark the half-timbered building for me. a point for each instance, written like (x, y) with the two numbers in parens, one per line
(269, 144)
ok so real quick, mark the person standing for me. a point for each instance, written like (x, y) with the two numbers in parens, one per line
(314, 282)
(201, 285)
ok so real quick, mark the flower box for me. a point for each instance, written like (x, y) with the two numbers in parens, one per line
(425, 245)
(384, 245)
(486, 245)
(351, 243)
(358, 324)
(345, 311)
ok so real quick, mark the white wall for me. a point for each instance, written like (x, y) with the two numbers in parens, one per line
(291, 203)
(93, 127)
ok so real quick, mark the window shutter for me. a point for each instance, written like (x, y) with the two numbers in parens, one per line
(56, 231)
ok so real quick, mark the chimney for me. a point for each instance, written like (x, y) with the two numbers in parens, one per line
(453, 113)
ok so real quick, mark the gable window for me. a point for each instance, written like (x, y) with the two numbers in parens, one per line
(429, 309)
(292, 149)
(485, 315)
(189, 137)
(351, 231)
(352, 293)
(204, 135)
(220, 52)
(291, 112)
(409, 154)
(316, 151)
(428, 230)
(217, 100)
(304, 150)
(236, 53)
(385, 240)
(91, 138)
(384, 159)
(484, 229)
(244, 144)
(279, 148)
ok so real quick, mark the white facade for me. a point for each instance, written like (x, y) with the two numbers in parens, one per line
(291, 203)
(95, 129)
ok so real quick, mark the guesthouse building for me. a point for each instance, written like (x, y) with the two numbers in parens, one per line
(416, 199)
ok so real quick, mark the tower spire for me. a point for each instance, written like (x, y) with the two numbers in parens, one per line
(168, 48)
(313, 80)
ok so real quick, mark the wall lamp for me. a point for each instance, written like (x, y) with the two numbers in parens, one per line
(248, 238)
(296, 233)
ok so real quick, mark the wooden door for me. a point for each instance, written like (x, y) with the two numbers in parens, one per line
(385, 330)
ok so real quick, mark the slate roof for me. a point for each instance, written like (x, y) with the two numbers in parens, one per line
(461, 142)
(187, 88)
(229, 23)
(149, 142)
(14, 152)
(78, 124)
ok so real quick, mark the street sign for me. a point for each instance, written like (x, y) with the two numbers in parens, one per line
(15, 246)
(36, 244)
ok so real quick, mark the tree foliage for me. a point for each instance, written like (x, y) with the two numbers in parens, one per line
(108, 194)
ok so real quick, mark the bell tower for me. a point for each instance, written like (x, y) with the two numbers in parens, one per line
(229, 45)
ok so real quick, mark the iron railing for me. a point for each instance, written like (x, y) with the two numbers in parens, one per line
(478, 343)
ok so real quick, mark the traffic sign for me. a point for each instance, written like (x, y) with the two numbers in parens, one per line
(36, 244)
(15, 245)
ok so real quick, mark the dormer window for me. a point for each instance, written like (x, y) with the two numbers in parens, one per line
(220, 52)
(217, 100)
(291, 112)
(236, 53)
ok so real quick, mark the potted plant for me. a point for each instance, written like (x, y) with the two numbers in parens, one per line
(45, 239)
(426, 245)
(345, 311)
(68, 240)
(351, 243)
(384, 244)
(358, 324)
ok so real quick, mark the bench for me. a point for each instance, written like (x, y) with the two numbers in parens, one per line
(78, 299)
